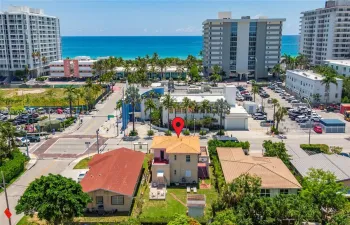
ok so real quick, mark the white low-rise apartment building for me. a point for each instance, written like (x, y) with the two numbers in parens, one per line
(79, 67)
(24, 31)
(305, 84)
(341, 66)
(237, 119)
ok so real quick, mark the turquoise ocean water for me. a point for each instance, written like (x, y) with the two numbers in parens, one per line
(133, 46)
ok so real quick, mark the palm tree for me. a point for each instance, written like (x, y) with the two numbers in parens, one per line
(26, 71)
(274, 103)
(215, 78)
(168, 103)
(186, 103)
(222, 108)
(79, 92)
(316, 97)
(255, 90)
(132, 96)
(281, 112)
(176, 105)
(277, 69)
(162, 63)
(302, 61)
(205, 106)
(8, 131)
(149, 106)
(327, 81)
(119, 105)
(70, 91)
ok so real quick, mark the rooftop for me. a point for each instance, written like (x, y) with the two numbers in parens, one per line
(174, 144)
(116, 171)
(271, 170)
(332, 122)
(339, 62)
(308, 74)
(197, 97)
(195, 200)
(337, 164)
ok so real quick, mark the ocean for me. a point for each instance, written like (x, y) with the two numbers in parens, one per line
(133, 46)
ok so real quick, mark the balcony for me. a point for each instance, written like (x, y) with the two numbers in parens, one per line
(160, 161)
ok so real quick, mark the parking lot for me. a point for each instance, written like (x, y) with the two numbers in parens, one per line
(287, 125)
(70, 146)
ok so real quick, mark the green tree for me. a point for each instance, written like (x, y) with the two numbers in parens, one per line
(222, 108)
(277, 70)
(215, 78)
(302, 61)
(8, 134)
(275, 104)
(168, 102)
(186, 104)
(327, 80)
(227, 217)
(204, 107)
(281, 112)
(322, 189)
(119, 105)
(55, 198)
(149, 106)
(183, 220)
(70, 91)
(132, 96)
(194, 74)
(255, 90)
(316, 97)
(276, 149)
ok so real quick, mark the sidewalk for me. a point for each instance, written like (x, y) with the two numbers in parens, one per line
(33, 160)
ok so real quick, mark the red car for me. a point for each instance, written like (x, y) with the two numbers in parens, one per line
(59, 111)
(318, 129)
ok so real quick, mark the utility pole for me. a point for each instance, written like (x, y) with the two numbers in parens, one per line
(98, 146)
(7, 201)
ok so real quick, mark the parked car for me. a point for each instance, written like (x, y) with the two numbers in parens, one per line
(41, 110)
(59, 111)
(267, 123)
(33, 138)
(345, 154)
(294, 101)
(299, 118)
(239, 98)
(318, 129)
(259, 117)
(225, 138)
(22, 141)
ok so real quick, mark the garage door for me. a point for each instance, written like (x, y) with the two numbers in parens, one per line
(235, 124)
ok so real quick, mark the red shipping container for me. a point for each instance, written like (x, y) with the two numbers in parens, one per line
(344, 107)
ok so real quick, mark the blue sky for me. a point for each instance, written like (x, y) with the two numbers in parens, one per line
(159, 17)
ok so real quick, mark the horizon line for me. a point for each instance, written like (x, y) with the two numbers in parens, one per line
(148, 35)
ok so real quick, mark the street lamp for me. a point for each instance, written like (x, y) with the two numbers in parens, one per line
(98, 147)
(308, 102)
(194, 127)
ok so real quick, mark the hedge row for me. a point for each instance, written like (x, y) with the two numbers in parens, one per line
(317, 148)
(13, 167)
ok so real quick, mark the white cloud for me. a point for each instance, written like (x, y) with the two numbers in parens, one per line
(188, 29)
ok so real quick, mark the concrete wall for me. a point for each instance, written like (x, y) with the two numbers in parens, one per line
(195, 211)
(107, 201)
(242, 46)
(180, 165)
(260, 72)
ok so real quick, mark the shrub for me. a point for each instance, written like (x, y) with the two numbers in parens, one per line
(41, 78)
(202, 132)
(168, 133)
(220, 132)
(150, 133)
(336, 149)
(13, 167)
(133, 133)
(317, 148)
(274, 130)
(186, 132)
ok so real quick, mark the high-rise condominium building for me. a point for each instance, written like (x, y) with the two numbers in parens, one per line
(24, 31)
(243, 47)
(325, 32)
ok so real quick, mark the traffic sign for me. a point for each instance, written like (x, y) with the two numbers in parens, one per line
(8, 213)
(110, 116)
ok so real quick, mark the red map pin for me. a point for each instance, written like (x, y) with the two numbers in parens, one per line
(178, 123)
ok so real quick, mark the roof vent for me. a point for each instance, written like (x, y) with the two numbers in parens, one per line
(245, 17)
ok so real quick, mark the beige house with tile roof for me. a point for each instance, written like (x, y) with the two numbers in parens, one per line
(175, 159)
(275, 176)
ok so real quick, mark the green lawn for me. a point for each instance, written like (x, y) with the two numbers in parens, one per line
(164, 211)
(83, 164)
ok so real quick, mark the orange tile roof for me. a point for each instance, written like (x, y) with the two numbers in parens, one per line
(116, 171)
(271, 170)
(173, 144)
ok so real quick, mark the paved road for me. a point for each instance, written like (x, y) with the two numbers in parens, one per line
(43, 167)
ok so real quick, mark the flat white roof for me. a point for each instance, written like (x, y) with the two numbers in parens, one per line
(198, 98)
(237, 109)
(339, 62)
(308, 74)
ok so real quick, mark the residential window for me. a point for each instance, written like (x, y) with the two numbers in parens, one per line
(265, 192)
(188, 173)
(117, 200)
(336, 95)
(174, 172)
(284, 191)
(188, 158)
(99, 200)
(174, 157)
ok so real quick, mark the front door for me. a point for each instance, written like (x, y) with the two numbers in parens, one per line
(161, 155)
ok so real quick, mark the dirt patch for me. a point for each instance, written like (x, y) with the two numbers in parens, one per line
(20, 92)
(25, 92)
